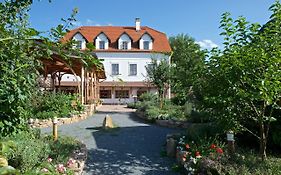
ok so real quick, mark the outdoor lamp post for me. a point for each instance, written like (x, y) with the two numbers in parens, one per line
(230, 142)
(55, 128)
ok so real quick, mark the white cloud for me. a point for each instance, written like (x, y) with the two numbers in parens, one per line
(87, 22)
(207, 44)
(77, 23)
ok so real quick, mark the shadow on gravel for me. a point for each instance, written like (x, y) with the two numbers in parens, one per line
(133, 150)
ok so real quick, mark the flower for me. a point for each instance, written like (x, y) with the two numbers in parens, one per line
(187, 146)
(49, 159)
(213, 146)
(219, 150)
(70, 162)
(60, 168)
(45, 170)
(197, 154)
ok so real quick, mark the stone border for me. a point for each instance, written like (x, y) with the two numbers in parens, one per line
(89, 110)
(166, 123)
(80, 156)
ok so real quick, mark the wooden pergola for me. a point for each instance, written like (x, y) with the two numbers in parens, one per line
(87, 79)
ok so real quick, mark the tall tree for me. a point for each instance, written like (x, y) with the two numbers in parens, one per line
(19, 60)
(242, 84)
(158, 73)
(186, 60)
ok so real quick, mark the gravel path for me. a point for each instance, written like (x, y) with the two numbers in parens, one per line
(132, 148)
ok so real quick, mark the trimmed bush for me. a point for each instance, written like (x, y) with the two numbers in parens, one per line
(48, 105)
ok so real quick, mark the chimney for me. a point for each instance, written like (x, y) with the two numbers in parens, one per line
(138, 26)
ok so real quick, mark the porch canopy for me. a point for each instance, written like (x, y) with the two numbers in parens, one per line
(86, 79)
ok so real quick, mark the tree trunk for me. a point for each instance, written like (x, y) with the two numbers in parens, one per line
(262, 142)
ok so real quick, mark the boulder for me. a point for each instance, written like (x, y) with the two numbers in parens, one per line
(171, 147)
(107, 122)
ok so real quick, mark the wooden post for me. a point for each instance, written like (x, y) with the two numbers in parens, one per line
(92, 87)
(82, 85)
(55, 128)
(95, 84)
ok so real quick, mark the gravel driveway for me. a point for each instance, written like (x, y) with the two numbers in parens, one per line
(133, 147)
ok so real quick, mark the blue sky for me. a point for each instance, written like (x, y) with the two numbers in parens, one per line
(198, 18)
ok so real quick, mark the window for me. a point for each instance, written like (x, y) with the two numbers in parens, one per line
(105, 93)
(114, 69)
(102, 44)
(124, 45)
(122, 94)
(78, 44)
(146, 45)
(133, 69)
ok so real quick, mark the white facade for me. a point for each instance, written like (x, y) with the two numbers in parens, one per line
(124, 60)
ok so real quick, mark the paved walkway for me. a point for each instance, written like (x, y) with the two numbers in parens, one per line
(132, 148)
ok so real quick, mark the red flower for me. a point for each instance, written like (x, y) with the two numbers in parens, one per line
(213, 146)
(219, 150)
(187, 146)
(197, 154)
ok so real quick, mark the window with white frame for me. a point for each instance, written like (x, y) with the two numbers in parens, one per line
(102, 45)
(78, 44)
(124, 45)
(146, 45)
(114, 69)
(133, 69)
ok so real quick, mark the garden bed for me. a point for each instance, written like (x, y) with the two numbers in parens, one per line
(165, 123)
(43, 123)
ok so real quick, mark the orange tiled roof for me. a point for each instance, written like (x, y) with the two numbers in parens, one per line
(160, 41)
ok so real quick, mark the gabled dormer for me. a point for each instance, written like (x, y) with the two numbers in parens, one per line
(146, 42)
(101, 41)
(80, 41)
(125, 42)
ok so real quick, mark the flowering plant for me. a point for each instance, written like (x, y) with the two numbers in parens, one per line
(190, 154)
(49, 167)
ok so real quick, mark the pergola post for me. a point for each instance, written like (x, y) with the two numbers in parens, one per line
(92, 87)
(82, 85)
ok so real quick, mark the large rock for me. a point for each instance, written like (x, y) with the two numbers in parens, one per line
(171, 147)
(107, 122)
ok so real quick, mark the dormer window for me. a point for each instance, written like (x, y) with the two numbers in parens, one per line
(101, 41)
(102, 45)
(124, 45)
(146, 42)
(124, 42)
(79, 41)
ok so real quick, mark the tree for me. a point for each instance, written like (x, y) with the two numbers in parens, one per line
(242, 84)
(187, 59)
(19, 60)
(158, 73)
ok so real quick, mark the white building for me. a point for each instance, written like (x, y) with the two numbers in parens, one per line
(126, 52)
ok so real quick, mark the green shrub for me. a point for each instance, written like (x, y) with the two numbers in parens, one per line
(148, 97)
(198, 131)
(28, 151)
(199, 117)
(62, 148)
(48, 105)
